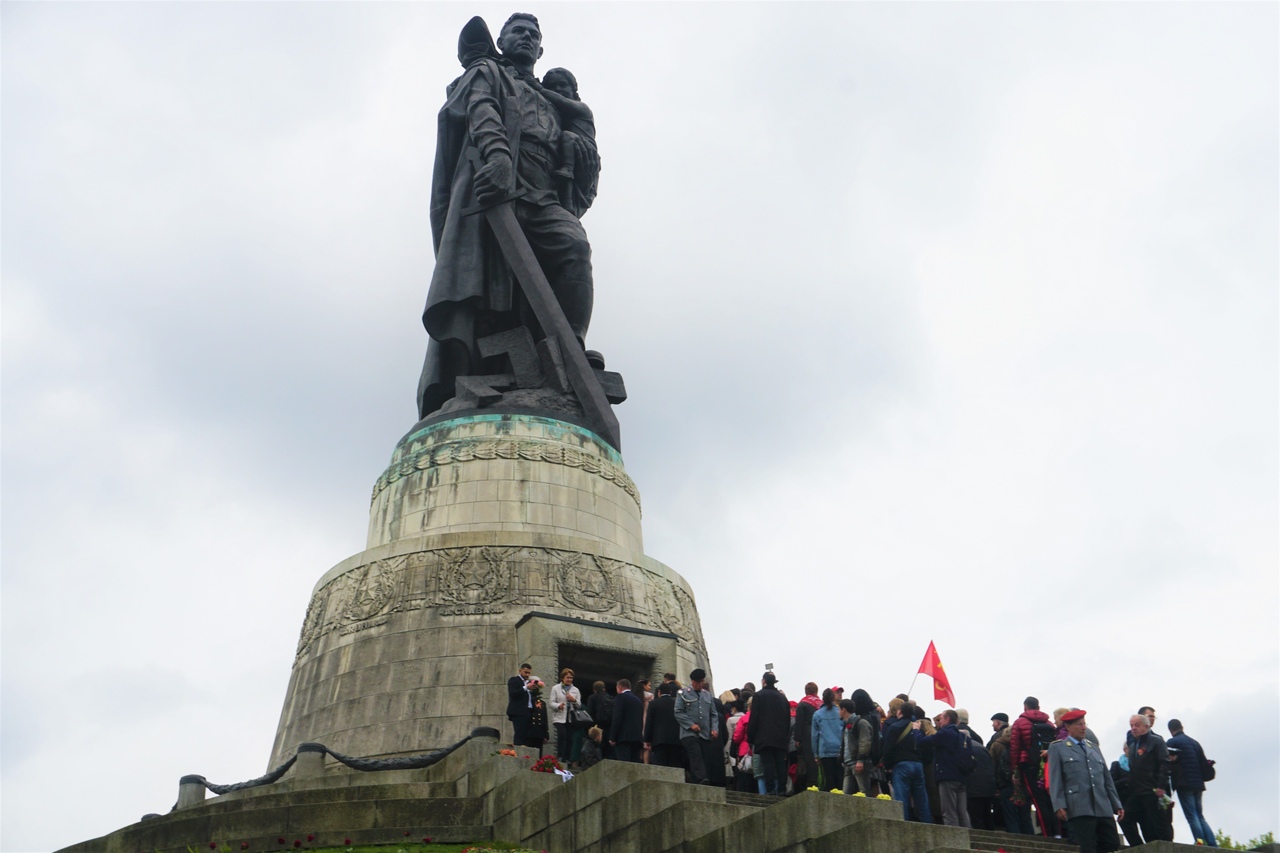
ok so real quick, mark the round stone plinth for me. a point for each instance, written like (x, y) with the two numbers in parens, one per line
(506, 473)
(407, 647)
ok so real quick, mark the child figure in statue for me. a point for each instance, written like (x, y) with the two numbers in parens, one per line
(578, 139)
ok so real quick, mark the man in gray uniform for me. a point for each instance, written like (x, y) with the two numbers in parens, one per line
(699, 735)
(1082, 791)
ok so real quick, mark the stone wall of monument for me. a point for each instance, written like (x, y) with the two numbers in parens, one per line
(496, 472)
(407, 646)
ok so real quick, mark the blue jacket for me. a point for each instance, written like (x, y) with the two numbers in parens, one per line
(826, 730)
(1186, 770)
(949, 743)
(896, 747)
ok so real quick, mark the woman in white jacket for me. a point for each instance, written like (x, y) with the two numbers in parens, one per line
(564, 697)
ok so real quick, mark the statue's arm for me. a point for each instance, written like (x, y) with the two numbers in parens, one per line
(489, 135)
(484, 119)
(568, 108)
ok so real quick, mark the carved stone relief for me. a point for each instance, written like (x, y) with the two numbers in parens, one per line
(474, 576)
(489, 580)
(584, 584)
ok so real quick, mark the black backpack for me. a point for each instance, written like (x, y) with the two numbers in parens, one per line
(1042, 734)
(966, 761)
(604, 711)
(1207, 771)
(877, 746)
(1004, 772)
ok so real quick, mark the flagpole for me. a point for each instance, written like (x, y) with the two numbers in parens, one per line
(913, 685)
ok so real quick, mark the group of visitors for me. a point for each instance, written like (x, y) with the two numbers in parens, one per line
(606, 725)
(1035, 775)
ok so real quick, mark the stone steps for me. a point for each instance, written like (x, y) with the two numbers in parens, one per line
(758, 801)
(371, 820)
(615, 807)
(988, 841)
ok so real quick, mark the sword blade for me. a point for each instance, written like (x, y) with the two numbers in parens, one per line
(537, 290)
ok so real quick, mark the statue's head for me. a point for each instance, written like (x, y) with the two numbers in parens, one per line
(521, 39)
(562, 81)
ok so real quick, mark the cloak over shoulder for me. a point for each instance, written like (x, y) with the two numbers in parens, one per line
(471, 287)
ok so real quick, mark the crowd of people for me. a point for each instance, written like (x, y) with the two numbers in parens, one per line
(1037, 774)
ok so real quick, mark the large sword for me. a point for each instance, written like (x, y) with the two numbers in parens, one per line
(537, 290)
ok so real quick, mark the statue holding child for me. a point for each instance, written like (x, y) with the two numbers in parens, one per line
(504, 136)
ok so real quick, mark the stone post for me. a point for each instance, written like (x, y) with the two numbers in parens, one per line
(191, 791)
(310, 763)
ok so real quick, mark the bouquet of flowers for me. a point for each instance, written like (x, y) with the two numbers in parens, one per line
(546, 764)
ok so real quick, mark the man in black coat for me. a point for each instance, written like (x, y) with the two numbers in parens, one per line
(662, 731)
(627, 732)
(981, 788)
(519, 703)
(806, 763)
(1148, 780)
(769, 733)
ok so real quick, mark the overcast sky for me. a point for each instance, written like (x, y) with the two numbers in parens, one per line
(950, 322)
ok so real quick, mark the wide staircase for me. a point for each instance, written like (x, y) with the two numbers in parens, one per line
(477, 795)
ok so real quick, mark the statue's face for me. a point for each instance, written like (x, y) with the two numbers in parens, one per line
(559, 84)
(521, 41)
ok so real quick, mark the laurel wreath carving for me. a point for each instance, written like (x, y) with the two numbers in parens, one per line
(465, 450)
(496, 576)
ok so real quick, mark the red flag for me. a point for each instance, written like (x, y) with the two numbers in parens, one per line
(932, 667)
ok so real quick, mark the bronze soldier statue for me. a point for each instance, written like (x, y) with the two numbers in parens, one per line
(502, 142)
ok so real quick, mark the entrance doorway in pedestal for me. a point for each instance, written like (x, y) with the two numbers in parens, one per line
(595, 651)
(592, 663)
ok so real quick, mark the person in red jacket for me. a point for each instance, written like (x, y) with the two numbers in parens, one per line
(1033, 731)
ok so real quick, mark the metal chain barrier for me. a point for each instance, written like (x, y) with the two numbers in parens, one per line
(407, 762)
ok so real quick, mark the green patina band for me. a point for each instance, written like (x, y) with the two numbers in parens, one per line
(556, 428)
(436, 444)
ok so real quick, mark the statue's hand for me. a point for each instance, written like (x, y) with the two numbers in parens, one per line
(493, 179)
(586, 154)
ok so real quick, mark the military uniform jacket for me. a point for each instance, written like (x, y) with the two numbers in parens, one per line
(694, 707)
(1079, 781)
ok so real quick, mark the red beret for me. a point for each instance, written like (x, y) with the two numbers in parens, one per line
(1072, 716)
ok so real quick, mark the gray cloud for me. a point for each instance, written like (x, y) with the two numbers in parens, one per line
(954, 322)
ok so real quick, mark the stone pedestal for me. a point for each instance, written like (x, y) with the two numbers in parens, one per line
(493, 540)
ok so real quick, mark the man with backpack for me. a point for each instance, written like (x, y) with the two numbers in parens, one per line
(902, 756)
(1033, 731)
(952, 765)
(1190, 771)
(861, 741)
